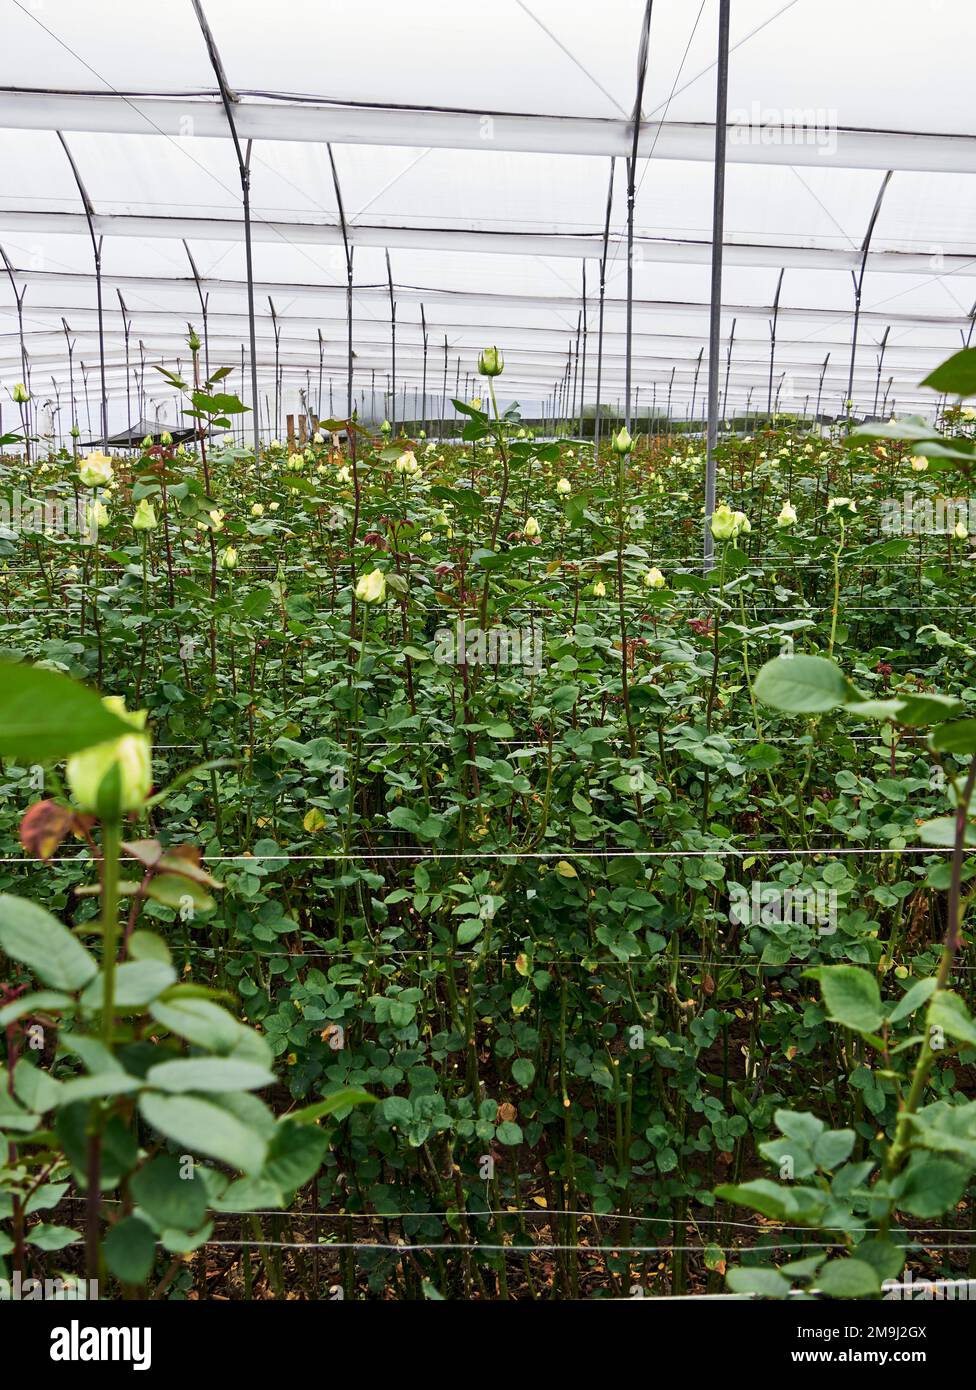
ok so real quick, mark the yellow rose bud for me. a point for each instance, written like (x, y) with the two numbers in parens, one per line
(95, 469)
(144, 518)
(371, 587)
(114, 777)
(491, 362)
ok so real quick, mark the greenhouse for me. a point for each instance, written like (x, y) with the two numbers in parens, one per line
(487, 653)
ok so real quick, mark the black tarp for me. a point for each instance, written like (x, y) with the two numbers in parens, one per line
(132, 438)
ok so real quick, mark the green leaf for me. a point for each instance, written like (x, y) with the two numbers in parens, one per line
(799, 1125)
(46, 716)
(137, 983)
(927, 708)
(177, 891)
(909, 427)
(948, 1012)
(523, 1071)
(295, 1154)
(52, 1237)
(833, 1148)
(398, 1111)
(119, 1149)
(911, 999)
(957, 737)
(171, 1199)
(508, 1132)
(43, 1001)
(768, 1283)
(884, 1257)
(469, 930)
(106, 1083)
(340, 1100)
(848, 1278)
(851, 996)
(956, 376)
(768, 1198)
(932, 1186)
(146, 945)
(32, 936)
(249, 1194)
(942, 832)
(801, 684)
(200, 1021)
(206, 1129)
(130, 1249)
(208, 1074)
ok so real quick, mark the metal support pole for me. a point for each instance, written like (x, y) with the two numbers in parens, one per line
(715, 306)
(858, 279)
(694, 387)
(25, 408)
(582, 398)
(444, 394)
(772, 342)
(229, 98)
(877, 382)
(576, 353)
(389, 278)
(126, 330)
(349, 253)
(96, 242)
(728, 368)
(276, 426)
(823, 373)
(645, 39)
(204, 303)
(423, 387)
(599, 340)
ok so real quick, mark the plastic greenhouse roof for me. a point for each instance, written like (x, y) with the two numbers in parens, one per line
(474, 146)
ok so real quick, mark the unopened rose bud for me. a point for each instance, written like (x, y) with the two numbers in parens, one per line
(113, 777)
(145, 517)
(371, 587)
(621, 443)
(491, 362)
(95, 469)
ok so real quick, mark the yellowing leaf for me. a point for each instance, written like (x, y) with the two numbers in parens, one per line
(565, 870)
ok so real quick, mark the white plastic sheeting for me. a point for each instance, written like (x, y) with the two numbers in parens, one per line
(474, 144)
